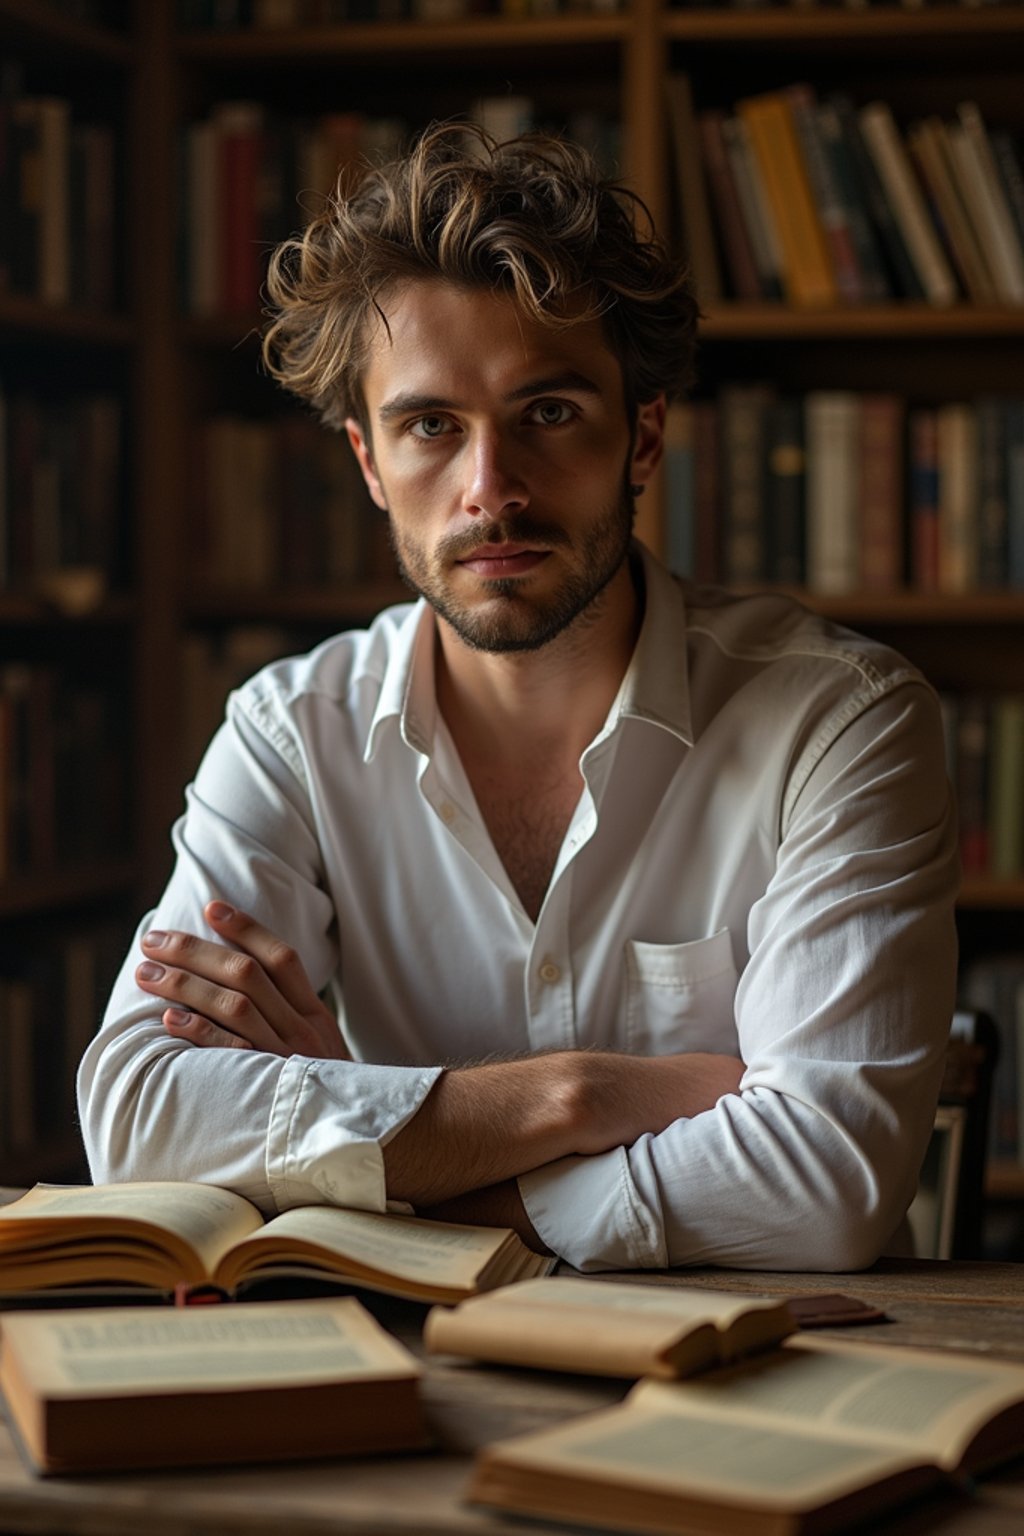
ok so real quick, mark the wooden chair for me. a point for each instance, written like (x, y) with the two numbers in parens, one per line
(946, 1216)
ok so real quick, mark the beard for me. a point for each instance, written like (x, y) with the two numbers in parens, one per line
(507, 617)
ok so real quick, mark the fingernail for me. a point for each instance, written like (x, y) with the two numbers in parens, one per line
(148, 971)
(220, 911)
(155, 938)
(177, 1016)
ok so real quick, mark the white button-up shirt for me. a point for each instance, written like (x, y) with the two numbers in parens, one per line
(761, 863)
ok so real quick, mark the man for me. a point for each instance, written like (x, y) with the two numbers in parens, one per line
(637, 898)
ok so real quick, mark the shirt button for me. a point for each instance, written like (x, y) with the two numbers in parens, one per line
(549, 971)
(447, 812)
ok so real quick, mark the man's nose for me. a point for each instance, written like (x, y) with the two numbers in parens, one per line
(494, 483)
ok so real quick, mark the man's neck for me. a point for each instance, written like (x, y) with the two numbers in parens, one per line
(511, 707)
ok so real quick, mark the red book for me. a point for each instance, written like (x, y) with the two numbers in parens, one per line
(239, 128)
(881, 492)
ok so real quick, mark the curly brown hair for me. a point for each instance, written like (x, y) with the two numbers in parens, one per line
(531, 217)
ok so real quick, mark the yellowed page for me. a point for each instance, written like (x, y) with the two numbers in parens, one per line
(122, 1351)
(584, 1325)
(923, 1403)
(427, 1253)
(670, 1447)
(192, 1223)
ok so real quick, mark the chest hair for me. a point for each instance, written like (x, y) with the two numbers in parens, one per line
(527, 830)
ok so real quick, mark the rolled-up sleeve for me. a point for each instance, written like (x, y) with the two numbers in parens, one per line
(282, 1132)
(842, 1014)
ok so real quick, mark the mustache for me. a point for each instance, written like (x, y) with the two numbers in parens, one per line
(509, 530)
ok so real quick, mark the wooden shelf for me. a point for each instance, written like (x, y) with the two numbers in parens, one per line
(28, 895)
(314, 44)
(788, 25)
(38, 25)
(1004, 1181)
(22, 313)
(863, 322)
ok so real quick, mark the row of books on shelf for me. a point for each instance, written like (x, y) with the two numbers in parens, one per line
(995, 985)
(60, 494)
(984, 737)
(275, 15)
(52, 995)
(842, 491)
(251, 177)
(62, 770)
(281, 503)
(821, 202)
(57, 202)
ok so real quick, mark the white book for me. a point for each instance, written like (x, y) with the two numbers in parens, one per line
(832, 427)
(907, 202)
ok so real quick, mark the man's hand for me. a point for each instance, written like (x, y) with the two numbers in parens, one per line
(255, 996)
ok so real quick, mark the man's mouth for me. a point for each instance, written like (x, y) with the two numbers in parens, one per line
(499, 561)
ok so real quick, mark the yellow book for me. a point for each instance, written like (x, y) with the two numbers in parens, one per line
(809, 1437)
(106, 1388)
(808, 278)
(608, 1329)
(156, 1236)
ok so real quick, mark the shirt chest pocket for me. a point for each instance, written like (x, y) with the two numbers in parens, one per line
(679, 997)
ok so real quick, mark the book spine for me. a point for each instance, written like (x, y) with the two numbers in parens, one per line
(680, 511)
(807, 271)
(238, 137)
(742, 417)
(705, 272)
(896, 175)
(891, 236)
(739, 252)
(1006, 789)
(958, 499)
(1000, 235)
(928, 146)
(828, 203)
(1011, 178)
(1013, 420)
(871, 266)
(785, 481)
(972, 773)
(992, 491)
(758, 217)
(832, 435)
(924, 499)
(881, 492)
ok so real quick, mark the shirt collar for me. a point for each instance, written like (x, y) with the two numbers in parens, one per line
(655, 688)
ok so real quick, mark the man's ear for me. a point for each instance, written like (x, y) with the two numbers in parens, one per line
(361, 449)
(648, 440)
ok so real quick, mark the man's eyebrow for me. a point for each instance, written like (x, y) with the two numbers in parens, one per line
(411, 404)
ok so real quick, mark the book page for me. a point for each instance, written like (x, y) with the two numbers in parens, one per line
(201, 1219)
(407, 1247)
(678, 1451)
(925, 1403)
(113, 1351)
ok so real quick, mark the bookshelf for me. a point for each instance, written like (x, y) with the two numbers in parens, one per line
(182, 369)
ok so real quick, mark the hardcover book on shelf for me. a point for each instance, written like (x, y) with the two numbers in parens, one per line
(958, 497)
(109, 1389)
(812, 1436)
(692, 192)
(152, 1237)
(832, 433)
(929, 146)
(828, 202)
(983, 189)
(742, 416)
(1006, 788)
(880, 492)
(923, 505)
(849, 191)
(608, 1329)
(680, 489)
(807, 270)
(993, 557)
(758, 215)
(785, 488)
(905, 277)
(909, 211)
(736, 242)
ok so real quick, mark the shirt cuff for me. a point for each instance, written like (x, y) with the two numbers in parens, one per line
(589, 1212)
(328, 1123)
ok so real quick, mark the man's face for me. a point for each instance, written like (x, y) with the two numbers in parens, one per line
(502, 453)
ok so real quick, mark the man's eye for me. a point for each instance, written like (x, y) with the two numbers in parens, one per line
(430, 426)
(551, 413)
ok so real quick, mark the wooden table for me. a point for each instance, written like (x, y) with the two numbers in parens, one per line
(951, 1306)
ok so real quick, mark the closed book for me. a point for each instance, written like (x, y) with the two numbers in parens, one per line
(903, 193)
(832, 437)
(1013, 419)
(993, 492)
(850, 193)
(680, 494)
(991, 208)
(973, 742)
(758, 217)
(785, 482)
(739, 252)
(807, 270)
(1006, 153)
(923, 509)
(828, 202)
(928, 143)
(54, 119)
(239, 128)
(694, 205)
(742, 444)
(1006, 789)
(881, 492)
(106, 1389)
(905, 279)
(958, 497)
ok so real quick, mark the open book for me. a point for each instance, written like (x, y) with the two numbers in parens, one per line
(157, 1236)
(605, 1328)
(807, 1437)
(109, 1388)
